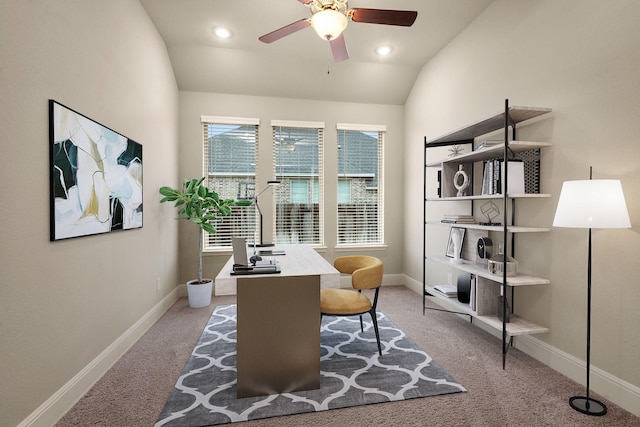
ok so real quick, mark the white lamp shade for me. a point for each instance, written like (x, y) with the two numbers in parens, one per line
(329, 23)
(596, 203)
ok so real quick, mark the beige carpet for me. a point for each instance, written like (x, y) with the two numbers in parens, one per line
(527, 393)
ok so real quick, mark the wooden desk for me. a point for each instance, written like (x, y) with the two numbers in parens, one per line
(278, 338)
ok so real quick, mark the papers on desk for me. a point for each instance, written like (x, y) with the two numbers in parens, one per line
(260, 268)
(271, 252)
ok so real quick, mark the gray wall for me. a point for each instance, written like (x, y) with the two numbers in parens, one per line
(63, 303)
(581, 58)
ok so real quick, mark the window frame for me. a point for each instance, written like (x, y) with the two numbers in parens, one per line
(313, 191)
(380, 130)
(248, 216)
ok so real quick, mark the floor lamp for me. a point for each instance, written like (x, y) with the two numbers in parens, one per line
(592, 203)
(255, 202)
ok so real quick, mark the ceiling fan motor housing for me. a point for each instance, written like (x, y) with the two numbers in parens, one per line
(338, 5)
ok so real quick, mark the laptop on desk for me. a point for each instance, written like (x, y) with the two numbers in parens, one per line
(241, 264)
(239, 251)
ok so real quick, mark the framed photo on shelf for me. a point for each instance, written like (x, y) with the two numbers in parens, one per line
(451, 249)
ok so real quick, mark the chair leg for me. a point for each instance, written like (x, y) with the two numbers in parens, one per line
(361, 324)
(375, 328)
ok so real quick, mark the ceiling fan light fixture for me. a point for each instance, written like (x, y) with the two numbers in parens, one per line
(329, 23)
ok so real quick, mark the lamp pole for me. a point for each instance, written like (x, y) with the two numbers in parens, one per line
(579, 403)
(270, 184)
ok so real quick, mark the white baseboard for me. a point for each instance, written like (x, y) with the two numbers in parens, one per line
(618, 391)
(392, 279)
(182, 290)
(62, 400)
(412, 284)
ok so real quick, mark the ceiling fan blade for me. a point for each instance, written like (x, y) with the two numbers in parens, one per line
(339, 48)
(404, 18)
(285, 31)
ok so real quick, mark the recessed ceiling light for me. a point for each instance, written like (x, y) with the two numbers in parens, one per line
(383, 50)
(222, 32)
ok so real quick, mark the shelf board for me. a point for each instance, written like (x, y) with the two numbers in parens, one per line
(493, 123)
(491, 152)
(516, 326)
(481, 271)
(498, 228)
(488, 197)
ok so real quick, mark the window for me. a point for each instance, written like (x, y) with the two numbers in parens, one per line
(360, 189)
(230, 161)
(344, 191)
(298, 166)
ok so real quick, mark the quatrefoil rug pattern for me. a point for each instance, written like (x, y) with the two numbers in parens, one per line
(352, 373)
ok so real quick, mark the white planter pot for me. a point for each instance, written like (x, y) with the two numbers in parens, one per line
(199, 294)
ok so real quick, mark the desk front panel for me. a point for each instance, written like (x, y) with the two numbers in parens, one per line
(278, 334)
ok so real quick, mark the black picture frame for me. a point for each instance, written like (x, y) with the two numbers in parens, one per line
(95, 176)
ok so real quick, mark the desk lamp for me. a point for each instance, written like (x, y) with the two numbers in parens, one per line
(592, 203)
(255, 202)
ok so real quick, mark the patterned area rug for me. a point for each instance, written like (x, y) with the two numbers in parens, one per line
(352, 374)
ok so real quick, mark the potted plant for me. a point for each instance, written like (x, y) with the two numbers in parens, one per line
(203, 206)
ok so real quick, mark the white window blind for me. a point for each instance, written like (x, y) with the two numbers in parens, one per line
(298, 165)
(230, 162)
(360, 184)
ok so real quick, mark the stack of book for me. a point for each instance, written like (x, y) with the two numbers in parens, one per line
(458, 219)
(449, 291)
(491, 177)
(492, 180)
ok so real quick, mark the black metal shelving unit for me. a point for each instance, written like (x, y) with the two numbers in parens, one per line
(506, 120)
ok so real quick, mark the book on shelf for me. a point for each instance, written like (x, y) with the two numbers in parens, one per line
(473, 292)
(492, 179)
(449, 291)
(458, 219)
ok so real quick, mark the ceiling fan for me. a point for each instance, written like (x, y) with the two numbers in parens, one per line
(330, 17)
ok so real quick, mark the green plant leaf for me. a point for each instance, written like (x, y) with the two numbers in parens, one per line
(199, 204)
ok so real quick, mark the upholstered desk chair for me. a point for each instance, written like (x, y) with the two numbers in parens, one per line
(366, 273)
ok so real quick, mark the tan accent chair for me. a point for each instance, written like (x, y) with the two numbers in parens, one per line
(366, 273)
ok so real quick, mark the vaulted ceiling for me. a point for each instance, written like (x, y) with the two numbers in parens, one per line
(300, 65)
